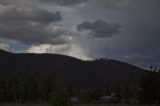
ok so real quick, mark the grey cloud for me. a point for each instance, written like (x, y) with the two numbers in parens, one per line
(123, 4)
(10, 13)
(101, 3)
(64, 2)
(138, 41)
(100, 28)
(28, 26)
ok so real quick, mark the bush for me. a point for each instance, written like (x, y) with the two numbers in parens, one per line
(60, 98)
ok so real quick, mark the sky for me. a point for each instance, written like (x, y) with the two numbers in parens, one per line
(125, 30)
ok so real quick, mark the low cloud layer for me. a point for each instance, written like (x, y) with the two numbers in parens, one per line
(69, 49)
(6, 47)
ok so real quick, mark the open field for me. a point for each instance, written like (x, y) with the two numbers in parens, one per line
(44, 104)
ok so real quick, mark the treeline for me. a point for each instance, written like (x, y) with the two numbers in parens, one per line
(149, 87)
(146, 90)
(29, 88)
(124, 92)
(45, 88)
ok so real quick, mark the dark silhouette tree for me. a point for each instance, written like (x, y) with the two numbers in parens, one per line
(12, 87)
(31, 89)
(150, 87)
(60, 97)
(48, 83)
(2, 90)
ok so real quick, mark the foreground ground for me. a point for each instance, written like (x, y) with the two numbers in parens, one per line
(44, 104)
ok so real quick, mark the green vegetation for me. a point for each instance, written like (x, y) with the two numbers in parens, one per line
(60, 98)
(146, 90)
(149, 91)
(30, 89)
(46, 104)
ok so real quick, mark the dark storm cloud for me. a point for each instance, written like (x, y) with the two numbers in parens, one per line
(14, 14)
(138, 40)
(123, 4)
(64, 2)
(30, 26)
(100, 28)
(118, 4)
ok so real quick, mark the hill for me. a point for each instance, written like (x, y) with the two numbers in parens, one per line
(70, 71)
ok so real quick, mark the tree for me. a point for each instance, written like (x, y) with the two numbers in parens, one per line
(30, 86)
(149, 87)
(48, 83)
(90, 95)
(2, 90)
(60, 97)
(12, 89)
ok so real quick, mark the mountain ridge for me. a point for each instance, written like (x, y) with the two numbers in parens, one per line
(70, 71)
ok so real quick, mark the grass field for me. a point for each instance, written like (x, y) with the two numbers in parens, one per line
(44, 104)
